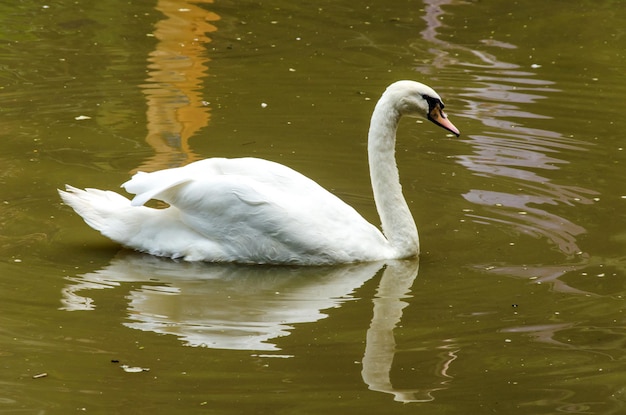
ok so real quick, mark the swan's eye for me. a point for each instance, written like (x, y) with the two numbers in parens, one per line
(432, 102)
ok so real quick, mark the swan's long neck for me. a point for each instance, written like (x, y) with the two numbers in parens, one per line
(397, 222)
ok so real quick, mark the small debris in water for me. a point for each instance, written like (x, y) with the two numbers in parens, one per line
(40, 375)
(82, 117)
(134, 369)
(276, 356)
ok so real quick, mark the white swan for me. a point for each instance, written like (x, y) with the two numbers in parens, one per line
(251, 210)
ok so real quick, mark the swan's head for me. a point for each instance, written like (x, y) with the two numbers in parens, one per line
(413, 99)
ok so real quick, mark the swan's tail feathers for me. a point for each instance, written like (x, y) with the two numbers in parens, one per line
(105, 211)
(156, 231)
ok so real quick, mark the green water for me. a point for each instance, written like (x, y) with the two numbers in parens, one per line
(518, 305)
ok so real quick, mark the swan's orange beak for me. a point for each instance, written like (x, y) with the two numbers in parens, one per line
(437, 116)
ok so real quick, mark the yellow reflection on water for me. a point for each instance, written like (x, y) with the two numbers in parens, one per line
(177, 66)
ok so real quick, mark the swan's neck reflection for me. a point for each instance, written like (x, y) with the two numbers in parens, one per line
(380, 347)
(250, 308)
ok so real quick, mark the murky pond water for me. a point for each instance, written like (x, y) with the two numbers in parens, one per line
(517, 303)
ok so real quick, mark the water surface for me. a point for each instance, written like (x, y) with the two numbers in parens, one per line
(516, 305)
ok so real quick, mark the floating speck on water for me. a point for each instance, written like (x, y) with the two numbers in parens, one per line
(535, 66)
(276, 356)
(82, 117)
(134, 369)
(263, 105)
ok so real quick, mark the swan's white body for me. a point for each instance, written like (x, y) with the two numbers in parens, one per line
(251, 210)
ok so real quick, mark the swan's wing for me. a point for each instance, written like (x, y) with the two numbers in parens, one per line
(272, 223)
(257, 209)
(155, 185)
(242, 201)
(148, 186)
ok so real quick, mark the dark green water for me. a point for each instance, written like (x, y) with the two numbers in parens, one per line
(518, 306)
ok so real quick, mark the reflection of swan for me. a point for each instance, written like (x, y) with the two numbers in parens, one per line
(221, 306)
(256, 211)
(239, 307)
